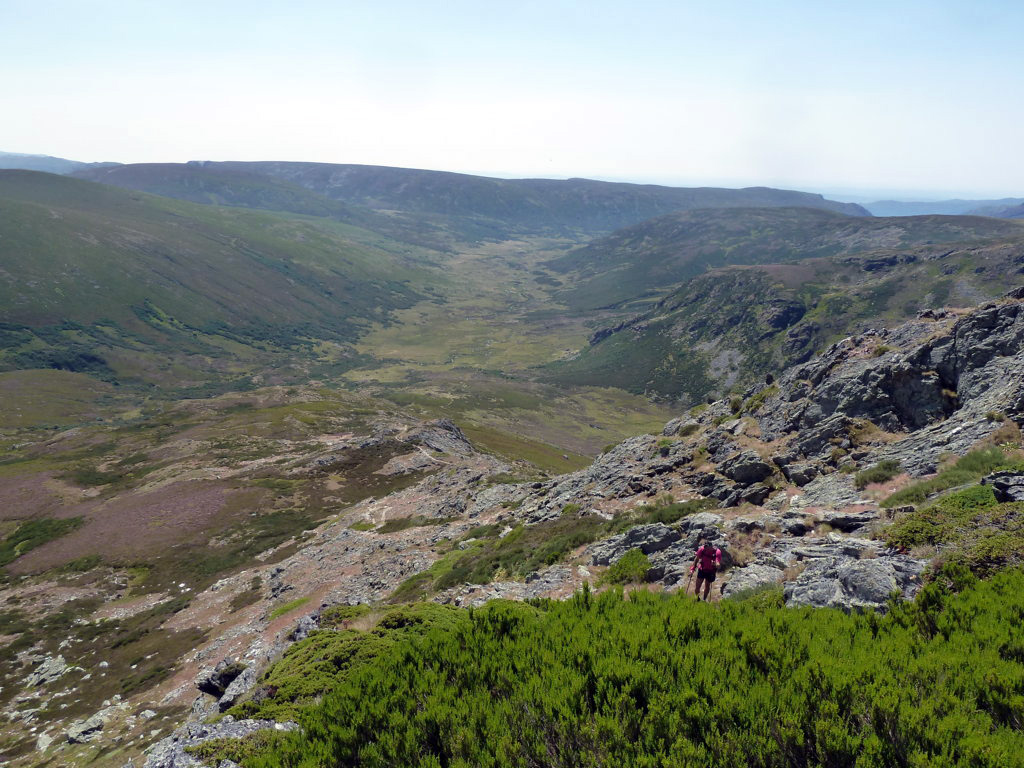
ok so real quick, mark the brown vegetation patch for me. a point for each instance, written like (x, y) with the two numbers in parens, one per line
(136, 526)
(25, 496)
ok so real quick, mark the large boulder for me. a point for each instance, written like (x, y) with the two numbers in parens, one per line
(800, 473)
(746, 468)
(751, 577)
(647, 538)
(50, 669)
(848, 522)
(846, 583)
(1007, 486)
(216, 681)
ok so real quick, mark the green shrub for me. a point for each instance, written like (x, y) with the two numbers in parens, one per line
(90, 476)
(882, 472)
(969, 527)
(656, 680)
(288, 607)
(631, 568)
(415, 521)
(756, 401)
(968, 469)
(35, 533)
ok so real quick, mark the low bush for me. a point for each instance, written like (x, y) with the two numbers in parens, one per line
(660, 680)
(631, 568)
(288, 607)
(882, 472)
(968, 469)
(35, 533)
(968, 527)
(415, 521)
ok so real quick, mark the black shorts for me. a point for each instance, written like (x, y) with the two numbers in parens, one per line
(706, 575)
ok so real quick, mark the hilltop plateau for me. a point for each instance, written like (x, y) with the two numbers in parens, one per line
(477, 206)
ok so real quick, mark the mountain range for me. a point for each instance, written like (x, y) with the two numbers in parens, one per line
(275, 433)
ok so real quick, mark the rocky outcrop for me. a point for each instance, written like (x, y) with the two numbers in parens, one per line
(443, 436)
(1007, 486)
(846, 583)
(170, 753)
(216, 681)
(647, 538)
(751, 577)
(746, 468)
(49, 670)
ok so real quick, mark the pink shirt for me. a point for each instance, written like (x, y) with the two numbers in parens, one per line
(703, 559)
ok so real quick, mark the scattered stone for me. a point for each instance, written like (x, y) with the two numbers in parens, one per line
(52, 668)
(216, 681)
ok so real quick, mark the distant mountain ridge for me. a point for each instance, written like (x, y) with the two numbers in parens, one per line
(497, 206)
(942, 207)
(44, 163)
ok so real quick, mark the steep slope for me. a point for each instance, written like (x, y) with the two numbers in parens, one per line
(519, 205)
(731, 326)
(649, 257)
(98, 278)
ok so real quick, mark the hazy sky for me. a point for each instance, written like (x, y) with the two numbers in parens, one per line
(823, 94)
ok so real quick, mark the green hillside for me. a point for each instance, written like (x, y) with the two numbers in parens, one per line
(728, 327)
(95, 275)
(646, 259)
(212, 184)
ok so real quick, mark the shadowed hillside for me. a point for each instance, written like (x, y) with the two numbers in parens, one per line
(732, 325)
(122, 284)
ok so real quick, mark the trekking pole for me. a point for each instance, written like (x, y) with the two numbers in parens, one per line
(687, 590)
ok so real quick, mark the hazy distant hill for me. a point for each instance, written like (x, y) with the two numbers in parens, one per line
(45, 163)
(1015, 211)
(573, 205)
(943, 207)
(103, 279)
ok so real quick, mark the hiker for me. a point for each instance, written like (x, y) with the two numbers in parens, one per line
(706, 562)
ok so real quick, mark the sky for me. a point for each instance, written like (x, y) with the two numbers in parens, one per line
(920, 99)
